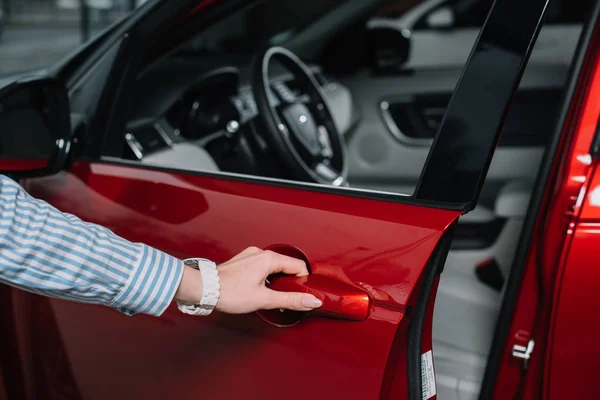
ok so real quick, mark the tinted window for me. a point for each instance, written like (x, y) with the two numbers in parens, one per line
(472, 13)
(36, 34)
(269, 22)
(568, 11)
(467, 13)
(389, 97)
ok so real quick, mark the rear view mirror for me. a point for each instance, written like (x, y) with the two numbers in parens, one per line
(442, 18)
(389, 48)
(34, 127)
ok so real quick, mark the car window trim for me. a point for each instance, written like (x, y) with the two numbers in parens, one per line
(455, 170)
(535, 209)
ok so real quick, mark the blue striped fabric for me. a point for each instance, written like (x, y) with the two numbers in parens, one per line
(45, 251)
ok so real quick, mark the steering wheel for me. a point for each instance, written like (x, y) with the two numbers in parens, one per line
(299, 127)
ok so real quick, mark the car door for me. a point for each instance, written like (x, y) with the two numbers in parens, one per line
(544, 334)
(387, 251)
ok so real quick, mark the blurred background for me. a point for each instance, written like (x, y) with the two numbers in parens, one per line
(37, 33)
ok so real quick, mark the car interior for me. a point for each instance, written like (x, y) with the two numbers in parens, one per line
(317, 92)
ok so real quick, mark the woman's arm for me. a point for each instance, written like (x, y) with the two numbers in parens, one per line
(55, 254)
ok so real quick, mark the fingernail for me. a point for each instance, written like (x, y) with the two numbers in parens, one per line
(311, 302)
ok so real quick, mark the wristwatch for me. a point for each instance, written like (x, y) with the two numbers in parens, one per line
(211, 287)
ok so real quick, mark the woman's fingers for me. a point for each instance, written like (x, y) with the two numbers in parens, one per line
(273, 262)
(242, 283)
(292, 301)
(276, 262)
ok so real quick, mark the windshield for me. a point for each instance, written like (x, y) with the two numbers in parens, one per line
(270, 22)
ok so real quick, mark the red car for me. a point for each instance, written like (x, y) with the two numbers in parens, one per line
(449, 215)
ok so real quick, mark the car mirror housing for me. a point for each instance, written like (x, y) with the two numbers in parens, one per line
(35, 126)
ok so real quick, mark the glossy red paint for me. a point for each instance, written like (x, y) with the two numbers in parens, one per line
(340, 299)
(573, 363)
(21, 164)
(394, 382)
(549, 249)
(380, 247)
(590, 204)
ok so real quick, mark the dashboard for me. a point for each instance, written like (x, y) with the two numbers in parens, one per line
(199, 113)
(182, 104)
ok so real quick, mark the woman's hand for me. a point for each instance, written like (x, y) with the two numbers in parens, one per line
(243, 287)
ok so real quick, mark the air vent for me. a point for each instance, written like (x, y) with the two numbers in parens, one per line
(150, 139)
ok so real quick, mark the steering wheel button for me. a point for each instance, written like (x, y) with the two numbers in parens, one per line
(300, 121)
(233, 126)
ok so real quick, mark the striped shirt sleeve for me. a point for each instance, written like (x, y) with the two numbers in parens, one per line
(51, 253)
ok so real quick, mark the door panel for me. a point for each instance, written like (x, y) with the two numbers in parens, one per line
(385, 158)
(573, 350)
(380, 247)
(573, 338)
(381, 159)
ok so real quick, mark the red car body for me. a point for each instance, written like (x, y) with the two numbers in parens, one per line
(557, 289)
(377, 255)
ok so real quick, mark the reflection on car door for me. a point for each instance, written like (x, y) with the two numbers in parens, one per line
(382, 248)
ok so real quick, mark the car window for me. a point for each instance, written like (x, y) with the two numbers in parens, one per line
(568, 11)
(36, 34)
(472, 13)
(466, 13)
(269, 22)
(388, 92)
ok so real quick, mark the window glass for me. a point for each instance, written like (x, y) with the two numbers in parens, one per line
(472, 13)
(568, 11)
(269, 22)
(466, 13)
(36, 34)
(387, 90)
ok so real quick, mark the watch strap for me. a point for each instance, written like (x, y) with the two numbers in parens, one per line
(211, 287)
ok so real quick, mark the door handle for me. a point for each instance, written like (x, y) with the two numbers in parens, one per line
(341, 300)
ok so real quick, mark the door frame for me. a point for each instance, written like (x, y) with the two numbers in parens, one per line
(455, 188)
(528, 262)
(457, 191)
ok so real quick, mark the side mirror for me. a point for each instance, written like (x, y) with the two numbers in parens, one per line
(389, 48)
(442, 18)
(35, 127)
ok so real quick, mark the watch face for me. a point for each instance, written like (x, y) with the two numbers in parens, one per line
(193, 262)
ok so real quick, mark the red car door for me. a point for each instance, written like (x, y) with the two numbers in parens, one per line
(546, 343)
(386, 252)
